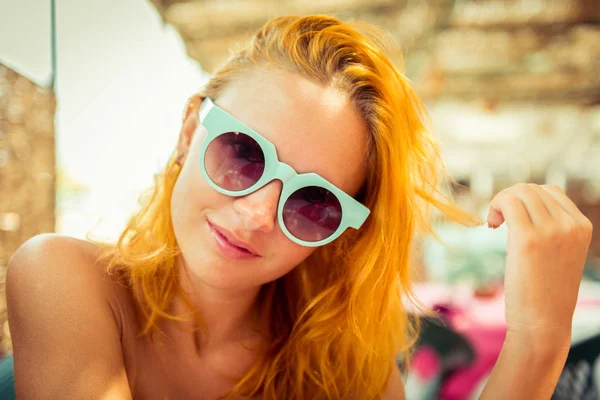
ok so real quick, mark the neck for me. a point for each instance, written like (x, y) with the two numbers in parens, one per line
(228, 314)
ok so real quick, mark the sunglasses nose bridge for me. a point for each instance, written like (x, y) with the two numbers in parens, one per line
(284, 172)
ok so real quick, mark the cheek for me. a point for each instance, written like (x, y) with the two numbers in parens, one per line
(190, 198)
(287, 255)
(182, 213)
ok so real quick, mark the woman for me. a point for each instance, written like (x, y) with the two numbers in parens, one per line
(272, 257)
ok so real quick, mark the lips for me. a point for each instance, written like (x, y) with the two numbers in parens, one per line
(229, 237)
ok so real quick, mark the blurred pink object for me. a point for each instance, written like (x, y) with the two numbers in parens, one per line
(486, 340)
(426, 363)
(481, 321)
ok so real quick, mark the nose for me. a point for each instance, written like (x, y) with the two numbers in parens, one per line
(259, 209)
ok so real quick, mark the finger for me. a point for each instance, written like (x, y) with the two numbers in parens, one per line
(538, 213)
(534, 204)
(495, 217)
(510, 208)
(557, 211)
(566, 203)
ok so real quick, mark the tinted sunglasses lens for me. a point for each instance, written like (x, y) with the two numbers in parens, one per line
(312, 213)
(234, 161)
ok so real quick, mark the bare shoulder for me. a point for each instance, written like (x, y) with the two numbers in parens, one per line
(62, 261)
(63, 322)
(52, 254)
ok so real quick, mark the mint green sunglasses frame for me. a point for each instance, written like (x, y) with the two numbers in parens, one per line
(217, 121)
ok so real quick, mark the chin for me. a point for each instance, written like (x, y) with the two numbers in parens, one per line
(209, 268)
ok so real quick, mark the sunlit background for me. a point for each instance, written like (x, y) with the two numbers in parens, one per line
(91, 109)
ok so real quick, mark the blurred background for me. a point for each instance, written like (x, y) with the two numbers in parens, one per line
(92, 95)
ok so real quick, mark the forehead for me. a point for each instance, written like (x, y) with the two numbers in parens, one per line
(314, 128)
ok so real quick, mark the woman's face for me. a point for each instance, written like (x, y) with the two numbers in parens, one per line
(314, 129)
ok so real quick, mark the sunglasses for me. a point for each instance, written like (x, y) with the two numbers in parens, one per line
(236, 161)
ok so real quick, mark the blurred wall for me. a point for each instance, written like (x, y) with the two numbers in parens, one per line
(27, 169)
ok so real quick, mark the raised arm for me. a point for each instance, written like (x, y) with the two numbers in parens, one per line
(548, 240)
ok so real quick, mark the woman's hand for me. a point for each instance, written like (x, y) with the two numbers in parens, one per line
(548, 240)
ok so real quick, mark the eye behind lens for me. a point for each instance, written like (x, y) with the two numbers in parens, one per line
(312, 213)
(234, 161)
